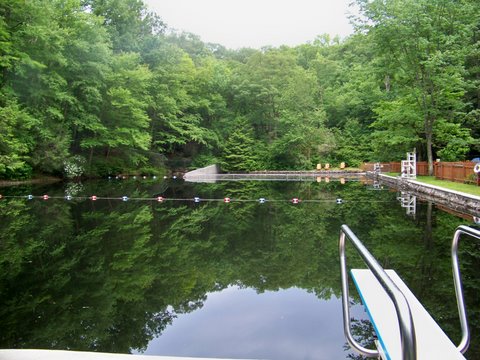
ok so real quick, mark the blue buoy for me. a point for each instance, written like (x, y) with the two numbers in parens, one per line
(68, 197)
(125, 198)
(174, 177)
(196, 199)
(29, 197)
(339, 201)
(262, 200)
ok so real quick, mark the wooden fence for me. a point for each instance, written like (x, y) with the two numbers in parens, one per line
(453, 171)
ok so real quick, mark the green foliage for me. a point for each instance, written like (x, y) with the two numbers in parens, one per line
(16, 140)
(397, 128)
(203, 160)
(102, 79)
(239, 149)
(128, 22)
(421, 48)
(353, 146)
(453, 141)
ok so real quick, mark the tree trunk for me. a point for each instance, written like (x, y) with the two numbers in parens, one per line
(428, 238)
(90, 158)
(429, 138)
(429, 154)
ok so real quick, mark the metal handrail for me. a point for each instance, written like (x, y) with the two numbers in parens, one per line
(457, 280)
(404, 315)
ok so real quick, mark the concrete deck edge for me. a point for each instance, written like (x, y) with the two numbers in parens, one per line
(460, 193)
(37, 354)
(456, 200)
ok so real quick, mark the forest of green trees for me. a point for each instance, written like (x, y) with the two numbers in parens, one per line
(103, 87)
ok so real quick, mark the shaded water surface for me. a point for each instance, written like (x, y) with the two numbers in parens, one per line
(213, 279)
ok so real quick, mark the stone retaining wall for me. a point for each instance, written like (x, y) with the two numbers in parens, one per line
(462, 202)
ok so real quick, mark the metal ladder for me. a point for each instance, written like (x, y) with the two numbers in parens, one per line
(402, 307)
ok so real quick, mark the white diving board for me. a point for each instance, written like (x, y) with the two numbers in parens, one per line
(431, 341)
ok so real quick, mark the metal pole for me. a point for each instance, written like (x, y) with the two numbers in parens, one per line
(404, 315)
(345, 303)
(457, 280)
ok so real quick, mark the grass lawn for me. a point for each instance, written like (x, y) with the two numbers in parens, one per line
(466, 188)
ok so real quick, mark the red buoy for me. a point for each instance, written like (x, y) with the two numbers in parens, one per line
(295, 200)
(93, 197)
(160, 199)
(45, 197)
(226, 200)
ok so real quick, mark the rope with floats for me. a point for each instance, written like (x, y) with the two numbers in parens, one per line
(195, 199)
(162, 199)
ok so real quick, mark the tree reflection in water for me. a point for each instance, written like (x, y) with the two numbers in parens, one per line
(112, 275)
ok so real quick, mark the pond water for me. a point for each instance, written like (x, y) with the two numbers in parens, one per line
(211, 279)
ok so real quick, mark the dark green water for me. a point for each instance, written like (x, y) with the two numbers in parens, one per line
(239, 280)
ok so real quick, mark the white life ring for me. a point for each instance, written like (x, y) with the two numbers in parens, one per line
(477, 168)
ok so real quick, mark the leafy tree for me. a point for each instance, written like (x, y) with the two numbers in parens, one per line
(190, 43)
(128, 22)
(421, 46)
(239, 149)
(16, 140)
(37, 80)
(124, 121)
(102, 79)
(88, 60)
(177, 113)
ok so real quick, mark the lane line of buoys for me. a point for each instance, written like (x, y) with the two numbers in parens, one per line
(195, 199)
(144, 177)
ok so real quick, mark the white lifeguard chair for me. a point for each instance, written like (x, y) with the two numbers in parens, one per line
(408, 202)
(409, 166)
